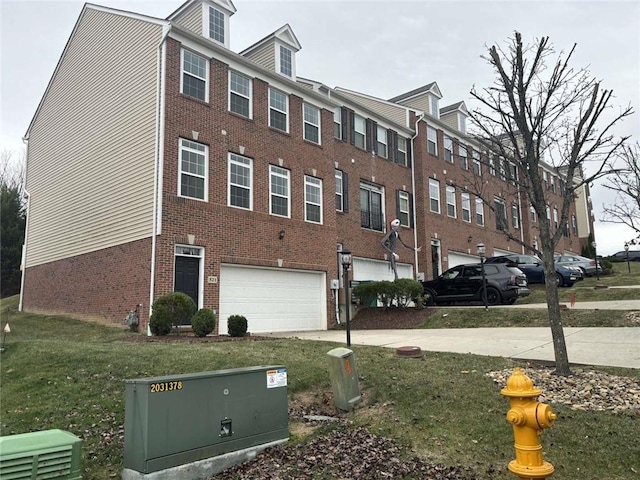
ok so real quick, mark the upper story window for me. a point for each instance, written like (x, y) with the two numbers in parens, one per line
(337, 123)
(502, 169)
(434, 195)
(462, 123)
(477, 166)
(448, 149)
(466, 206)
(492, 165)
(501, 215)
(462, 154)
(479, 212)
(381, 141)
(279, 191)
(574, 224)
(240, 94)
(312, 199)
(217, 21)
(240, 182)
(432, 141)
(534, 216)
(515, 215)
(311, 121)
(193, 170)
(545, 179)
(451, 201)
(286, 61)
(404, 208)
(555, 218)
(195, 76)
(371, 201)
(340, 190)
(401, 152)
(359, 127)
(278, 110)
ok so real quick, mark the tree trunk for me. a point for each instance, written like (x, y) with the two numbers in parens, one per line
(555, 317)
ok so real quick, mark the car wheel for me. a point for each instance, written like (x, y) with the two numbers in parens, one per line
(584, 272)
(559, 280)
(493, 296)
(431, 300)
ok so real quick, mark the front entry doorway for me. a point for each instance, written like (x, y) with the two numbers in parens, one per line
(187, 272)
(435, 258)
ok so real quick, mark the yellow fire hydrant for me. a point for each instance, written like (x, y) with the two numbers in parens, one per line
(528, 417)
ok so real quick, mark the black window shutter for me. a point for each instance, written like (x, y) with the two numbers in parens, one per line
(344, 119)
(345, 192)
(408, 143)
(392, 141)
(397, 203)
(411, 210)
(370, 140)
(352, 127)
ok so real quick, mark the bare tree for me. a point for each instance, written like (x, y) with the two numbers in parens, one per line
(541, 112)
(625, 182)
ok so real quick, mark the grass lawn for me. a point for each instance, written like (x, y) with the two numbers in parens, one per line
(61, 373)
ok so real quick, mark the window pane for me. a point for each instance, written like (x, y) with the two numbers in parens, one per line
(216, 25)
(311, 133)
(194, 87)
(280, 206)
(278, 100)
(239, 105)
(285, 61)
(278, 120)
(192, 186)
(239, 197)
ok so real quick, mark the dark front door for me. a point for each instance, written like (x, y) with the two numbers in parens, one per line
(187, 276)
(435, 261)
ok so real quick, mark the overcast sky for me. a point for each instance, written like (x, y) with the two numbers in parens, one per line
(382, 48)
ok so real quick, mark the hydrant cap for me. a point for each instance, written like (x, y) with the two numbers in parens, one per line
(519, 385)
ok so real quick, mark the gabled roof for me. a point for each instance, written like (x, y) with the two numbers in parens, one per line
(459, 106)
(431, 88)
(284, 34)
(226, 5)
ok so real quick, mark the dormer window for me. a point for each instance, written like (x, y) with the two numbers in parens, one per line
(434, 108)
(462, 123)
(286, 61)
(216, 25)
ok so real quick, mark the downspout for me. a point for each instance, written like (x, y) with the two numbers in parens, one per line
(413, 189)
(157, 197)
(23, 263)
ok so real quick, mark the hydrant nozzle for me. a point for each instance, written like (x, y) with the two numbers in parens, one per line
(528, 417)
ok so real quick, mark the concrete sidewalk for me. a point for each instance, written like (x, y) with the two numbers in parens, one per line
(619, 347)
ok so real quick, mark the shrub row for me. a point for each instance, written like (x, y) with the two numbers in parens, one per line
(174, 309)
(399, 293)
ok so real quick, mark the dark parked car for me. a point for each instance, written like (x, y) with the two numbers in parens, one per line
(634, 255)
(505, 283)
(533, 268)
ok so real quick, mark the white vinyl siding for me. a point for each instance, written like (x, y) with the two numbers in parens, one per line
(91, 178)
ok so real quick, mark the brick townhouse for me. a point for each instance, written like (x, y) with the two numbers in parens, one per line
(159, 160)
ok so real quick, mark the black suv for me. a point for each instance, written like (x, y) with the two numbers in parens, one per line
(634, 255)
(505, 283)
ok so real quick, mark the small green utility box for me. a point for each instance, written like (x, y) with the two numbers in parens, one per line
(344, 378)
(180, 419)
(51, 454)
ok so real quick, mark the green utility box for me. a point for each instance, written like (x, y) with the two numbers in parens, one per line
(51, 454)
(180, 419)
(344, 378)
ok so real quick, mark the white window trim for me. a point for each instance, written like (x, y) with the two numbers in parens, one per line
(310, 180)
(200, 257)
(206, 20)
(435, 183)
(462, 122)
(230, 160)
(364, 130)
(339, 175)
(304, 122)
(402, 195)
(377, 189)
(277, 46)
(461, 149)
(451, 195)
(406, 160)
(515, 216)
(434, 106)
(286, 113)
(337, 119)
(476, 161)
(465, 203)
(250, 97)
(448, 141)
(381, 130)
(181, 147)
(275, 171)
(480, 212)
(434, 141)
(183, 72)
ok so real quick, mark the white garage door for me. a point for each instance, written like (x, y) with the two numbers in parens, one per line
(456, 258)
(273, 300)
(376, 270)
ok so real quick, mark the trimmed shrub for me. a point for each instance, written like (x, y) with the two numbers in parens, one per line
(203, 322)
(171, 310)
(399, 293)
(237, 325)
(407, 290)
